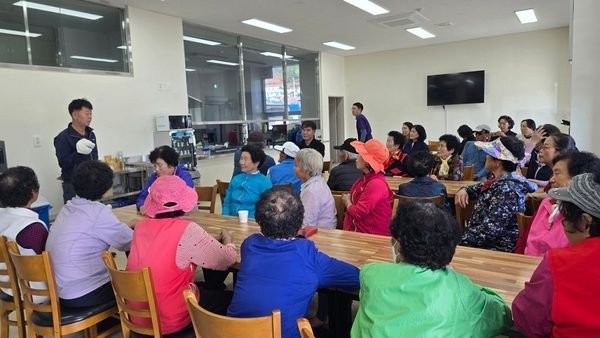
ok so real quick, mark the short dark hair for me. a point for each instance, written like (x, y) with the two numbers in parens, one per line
(516, 147)
(256, 153)
(279, 213)
(78, 104)
(408, 124)
(421, 131)
(358, 105)
(572, 214)
(167, 154)
(530, 123)
(464, 131)
(452, 142)
(398, 138)
(563, 143)
(579, 162)
(309, 124)
(420, 164)
(550, 129)
(92, 179)
(511, 122)
(17, 185)
(427, 232)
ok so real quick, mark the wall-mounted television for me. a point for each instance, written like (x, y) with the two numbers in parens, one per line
(455, 88)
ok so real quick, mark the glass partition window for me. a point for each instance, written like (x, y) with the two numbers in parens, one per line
(63, 33)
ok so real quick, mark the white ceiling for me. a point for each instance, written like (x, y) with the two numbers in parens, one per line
(317, 21)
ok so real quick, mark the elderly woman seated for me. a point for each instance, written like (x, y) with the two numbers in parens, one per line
(280, 271)
(245, 188)
(427, 298)
(173, 247)
(493, 224)
(319, 206)
(449, 164)
(561, 299)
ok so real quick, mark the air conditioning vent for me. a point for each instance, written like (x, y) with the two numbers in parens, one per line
(401, 20)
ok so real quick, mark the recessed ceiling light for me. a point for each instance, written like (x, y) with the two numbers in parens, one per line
(122, 47)
(19, 33)
(276, 55)
(190, 70)
(266, 25)
(79, 57)
(526, 16)
(338, 45)
(420, 32)
(59, 10)
(202, 41)
(368, 6)
(222, 62)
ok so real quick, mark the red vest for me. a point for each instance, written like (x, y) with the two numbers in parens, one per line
(154, 245)
(576, 302)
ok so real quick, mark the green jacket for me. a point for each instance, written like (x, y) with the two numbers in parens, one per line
(404, 300)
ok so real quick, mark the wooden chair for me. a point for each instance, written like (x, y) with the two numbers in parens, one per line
(287, 185)
(305, 328)
(438, 199)
(523, 221)
(207, 194)
(395, 204)
(210, 325)
(222, 189)
(340, 208)
(433, 145)
(533, 201)
(8, 303)
(50, 319)
(469, 172)
(326, 166)
(524, 171)
(339, 192)
(463, 215)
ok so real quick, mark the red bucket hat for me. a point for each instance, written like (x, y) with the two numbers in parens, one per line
(169, 193)
(373, 152)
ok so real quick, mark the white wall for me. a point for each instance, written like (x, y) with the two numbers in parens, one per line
(527, 76)
(332, 83)
(35, 102)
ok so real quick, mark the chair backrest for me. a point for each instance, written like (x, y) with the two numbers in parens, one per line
(433, 145)
(207, 194)
(211, 325)
(222, 189)
(523, 221)
(469, 172)
(463, 215)
(326, 166)
(134, 292)
(533, 202)
(340, 192)
(524, 171)
(395, 204)
(438, 199)
(9, 281)
(286, 185)
(340, 209)
(305, 328)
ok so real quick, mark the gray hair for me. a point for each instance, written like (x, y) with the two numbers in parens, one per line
(310, 161)
(351, 155)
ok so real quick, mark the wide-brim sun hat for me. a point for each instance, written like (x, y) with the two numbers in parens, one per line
(373, 152)
(497, 150)
(170, 193)
(583, 191)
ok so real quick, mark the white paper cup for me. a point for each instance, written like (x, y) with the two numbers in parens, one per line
(243, 216)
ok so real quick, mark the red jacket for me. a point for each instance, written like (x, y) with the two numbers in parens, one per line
(371, 208)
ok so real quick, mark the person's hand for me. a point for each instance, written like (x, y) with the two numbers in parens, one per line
(85, 146)
(226, 236)
(461, 198)
(538, 135)
(346, 200)
(143, 210)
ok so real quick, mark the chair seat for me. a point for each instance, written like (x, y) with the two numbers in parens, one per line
(6, 297)
(70, 315)
(187, 332)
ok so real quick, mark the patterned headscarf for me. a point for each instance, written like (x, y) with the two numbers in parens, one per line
(497, 150)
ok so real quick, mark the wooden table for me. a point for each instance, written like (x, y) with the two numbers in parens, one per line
(452, 187)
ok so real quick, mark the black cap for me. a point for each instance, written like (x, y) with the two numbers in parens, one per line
(347, 146)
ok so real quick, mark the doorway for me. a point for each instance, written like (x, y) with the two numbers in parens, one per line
(336, 125)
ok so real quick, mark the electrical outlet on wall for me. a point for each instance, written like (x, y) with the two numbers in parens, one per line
(37, 141)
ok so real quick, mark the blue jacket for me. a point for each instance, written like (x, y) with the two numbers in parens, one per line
(243, 193)
(412, 147)
(473, 155)
(424, 187)
(180, 171)
(264, 168)
(284, 275)
(66, 151)
(283, 173)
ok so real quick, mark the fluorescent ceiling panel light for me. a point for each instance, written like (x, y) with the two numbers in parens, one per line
(368, 6)
(59, 10)
(222, 62)
(19, 33)
(420, 32)
(276, 55)
(202, 41)
(526, 16)
(266, 25)
(338, 45)
(190, 70)
(79, 57)
(122, 47)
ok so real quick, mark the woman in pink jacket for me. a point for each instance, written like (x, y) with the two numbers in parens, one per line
(369, 204)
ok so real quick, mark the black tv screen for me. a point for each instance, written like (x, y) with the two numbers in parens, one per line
(455, 88)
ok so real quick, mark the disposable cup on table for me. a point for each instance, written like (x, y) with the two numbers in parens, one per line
(243, 216)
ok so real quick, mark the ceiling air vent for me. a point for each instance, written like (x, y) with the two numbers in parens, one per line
(401, 20)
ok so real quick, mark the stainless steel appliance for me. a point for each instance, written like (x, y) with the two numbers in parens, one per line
(184, 143)
(173, 122)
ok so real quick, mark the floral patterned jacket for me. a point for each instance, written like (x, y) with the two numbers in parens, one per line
(493, 224)
(455, 172)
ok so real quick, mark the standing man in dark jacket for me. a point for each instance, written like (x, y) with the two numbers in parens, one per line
(75, 144)
(363, 128)
(343, 176)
